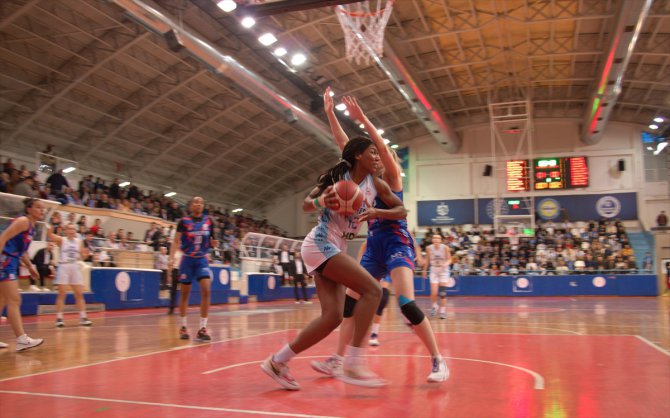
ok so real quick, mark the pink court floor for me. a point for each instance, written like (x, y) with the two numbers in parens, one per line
(508, 358)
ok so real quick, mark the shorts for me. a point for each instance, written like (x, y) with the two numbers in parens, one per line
(439, 276)
(317, 250)
(9, 268)
(192, 268)
(388, 249)
(69, 273)
(387, 278)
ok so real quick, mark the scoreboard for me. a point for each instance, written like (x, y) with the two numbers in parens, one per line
(549, 174)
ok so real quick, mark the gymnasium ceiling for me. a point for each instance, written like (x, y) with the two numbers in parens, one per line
(111, 95)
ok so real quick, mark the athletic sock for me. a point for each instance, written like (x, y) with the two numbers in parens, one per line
(183, 321)
(203, 322)
(283, 355)
(375, 328)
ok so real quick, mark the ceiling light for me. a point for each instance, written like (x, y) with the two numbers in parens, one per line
(402, 175)
(331, 93)
(124, 184)
(394, 146)
(237, 210)
(298, 59)
(658, 119)
(386, 141)
(69, 170)
(248, 22)
(267, 39)
(361, 126)
(346, 113)
(652, 126)
(227, 5)
(380, 131)
(341, 106)
(281, 51)
(170, 194)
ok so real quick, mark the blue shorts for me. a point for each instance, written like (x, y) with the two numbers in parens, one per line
(9, 268)
(191, 268)
(388, 249)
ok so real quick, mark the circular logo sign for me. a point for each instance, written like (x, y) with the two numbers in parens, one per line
(122, 281)
(451, 282)
(224, 276)
(608, 206)
(272, 282)
(522, 283)
(548, 208)
(599, 281)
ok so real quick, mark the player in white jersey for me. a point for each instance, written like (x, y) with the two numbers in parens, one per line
(438, 257)
(72, 250)
(324, 254)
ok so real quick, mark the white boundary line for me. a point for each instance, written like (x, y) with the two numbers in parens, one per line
(169, 405)
(538, 379)
(139, 355)
(652, 345)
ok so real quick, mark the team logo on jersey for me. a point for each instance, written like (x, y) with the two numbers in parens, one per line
(205, 226)
(548, 208)
(608, 206)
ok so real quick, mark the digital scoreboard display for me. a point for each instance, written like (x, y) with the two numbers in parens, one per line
(560, 173)
(517, 175)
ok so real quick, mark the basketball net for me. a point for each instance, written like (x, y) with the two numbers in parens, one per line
(363, 24)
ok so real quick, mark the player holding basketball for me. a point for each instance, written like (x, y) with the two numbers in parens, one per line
(14, 243)
(324, 254)
(194, 235)
(69, 274)
(389, 249)
(438, 257)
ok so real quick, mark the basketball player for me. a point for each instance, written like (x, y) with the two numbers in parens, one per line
(389, 250)
(69, 273)
(324, 254)
(194, 238)
(438, 257)
(14, 243)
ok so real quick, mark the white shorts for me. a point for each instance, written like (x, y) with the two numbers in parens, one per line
(441, 277)
(316, 252)
(69, 273)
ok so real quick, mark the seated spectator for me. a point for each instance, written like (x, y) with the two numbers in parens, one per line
(562, 268)
(632, 265)
(662, 219)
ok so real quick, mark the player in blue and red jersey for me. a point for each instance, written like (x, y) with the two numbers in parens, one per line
(14, 243)
(194, 238)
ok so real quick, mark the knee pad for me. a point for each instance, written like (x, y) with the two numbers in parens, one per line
(412, 312)
(384, 300)
(442, 292)
(349, 305)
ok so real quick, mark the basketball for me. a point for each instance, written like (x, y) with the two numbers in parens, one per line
(349, 197)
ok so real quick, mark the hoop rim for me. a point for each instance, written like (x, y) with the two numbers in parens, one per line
(342, 10)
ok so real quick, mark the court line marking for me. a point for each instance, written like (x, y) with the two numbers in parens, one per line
(537, 385)
(168, 350)
(170, 405)
(652, 345)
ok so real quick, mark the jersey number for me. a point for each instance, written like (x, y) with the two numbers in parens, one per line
(348, 236)
(198, 241)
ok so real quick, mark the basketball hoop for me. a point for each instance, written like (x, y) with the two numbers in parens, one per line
(363, 24)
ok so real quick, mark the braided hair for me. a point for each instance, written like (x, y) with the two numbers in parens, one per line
(355, 146)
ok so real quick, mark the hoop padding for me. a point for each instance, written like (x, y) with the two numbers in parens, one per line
(367, 19)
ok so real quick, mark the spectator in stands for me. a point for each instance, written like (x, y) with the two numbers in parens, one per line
(57, 181)
(562, 268)
(531, 267)
(162, 265)
(662, 219)
(97, 224)
(298, 273)
(4, 182)
(153, 236)
(26, 185)
(103, 203)
(44, 262)
(648, 262)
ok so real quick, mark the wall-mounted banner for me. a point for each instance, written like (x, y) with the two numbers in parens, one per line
(446, 212)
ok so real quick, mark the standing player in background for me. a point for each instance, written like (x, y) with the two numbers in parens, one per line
(389, 249)
(438, 256)
(69, 273)
(14, 243)
(194, 238)
(324, 254)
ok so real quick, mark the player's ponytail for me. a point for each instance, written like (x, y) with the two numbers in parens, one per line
(355, 146)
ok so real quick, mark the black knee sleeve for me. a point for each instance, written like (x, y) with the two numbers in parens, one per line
(349, 305)
(412, 313)
(442, 292)
(384, 300)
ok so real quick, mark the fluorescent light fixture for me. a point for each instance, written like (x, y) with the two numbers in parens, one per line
(298, 59)
(380, 131)
(170, 194)
(281, 51)
(124, 184)
(658, 119)
(341, 106)
(661, 147)
(331, 93)
(402, 175)
(346, 113)
(386, 141)
(69, 170)
(652, 126)
(227, 5)
(361, 126)
(237, 210)
(248, 22)
(394, 146)
(267, 39)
